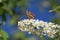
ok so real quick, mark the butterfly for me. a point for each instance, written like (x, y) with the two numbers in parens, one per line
(30, 15)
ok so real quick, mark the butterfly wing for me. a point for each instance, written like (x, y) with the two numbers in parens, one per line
(30, 15)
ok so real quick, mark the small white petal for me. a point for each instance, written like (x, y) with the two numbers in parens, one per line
(29, 32)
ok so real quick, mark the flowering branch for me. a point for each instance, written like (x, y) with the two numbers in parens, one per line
(38, 27)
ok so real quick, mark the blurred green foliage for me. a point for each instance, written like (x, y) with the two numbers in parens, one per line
(56, 20)
(55, 5)
(19, 36)
(8, 7)
(3, 35)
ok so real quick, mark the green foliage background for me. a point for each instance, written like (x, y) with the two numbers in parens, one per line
(55, 5)
(8, 7)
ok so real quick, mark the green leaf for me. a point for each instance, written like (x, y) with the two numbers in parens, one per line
(4, 35)
(8, 7)
(0, 1)
(13, 20)
(1, 11)
(3, 17)
(8, 10)
(56, 21)
(19, 36)
(56, 9)
(54, 3)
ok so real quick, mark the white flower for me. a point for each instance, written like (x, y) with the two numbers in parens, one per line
(36, 24)
(26, 21)
(50, 23)
(31, 20)
(46, 24)
(38, 27)
(21, 29)
(45, 34)
(53, 26)
(21, 24)
(52, 36)
(58, 26)
(42, 23)
(46, 29)
(29, 32)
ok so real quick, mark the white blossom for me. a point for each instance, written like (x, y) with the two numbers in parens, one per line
(38, 27)
(29, 32)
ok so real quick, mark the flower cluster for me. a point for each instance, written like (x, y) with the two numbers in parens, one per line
(38, 27)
